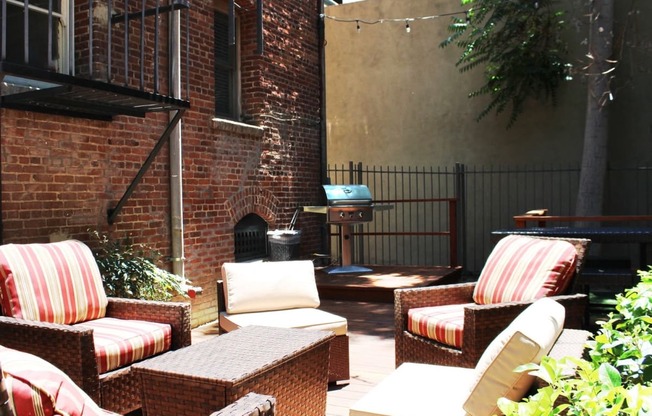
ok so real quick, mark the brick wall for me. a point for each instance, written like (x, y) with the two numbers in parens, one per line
(61, 174)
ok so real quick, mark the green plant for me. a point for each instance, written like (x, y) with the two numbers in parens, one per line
(617, 377)
(129, 270)
(520, 46)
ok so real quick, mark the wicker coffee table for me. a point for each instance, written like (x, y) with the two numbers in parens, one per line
(289, 364)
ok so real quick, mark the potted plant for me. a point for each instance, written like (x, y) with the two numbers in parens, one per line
(616, 377)
(129, 270)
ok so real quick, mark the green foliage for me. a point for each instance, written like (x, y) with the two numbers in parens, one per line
(129, 271)
(617, 380)
(520, 46)
(625, 340)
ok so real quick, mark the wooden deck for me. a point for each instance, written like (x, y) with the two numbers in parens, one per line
(371, 332)
(378, 284)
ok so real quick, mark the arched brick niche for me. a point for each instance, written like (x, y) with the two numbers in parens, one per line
(253, 200)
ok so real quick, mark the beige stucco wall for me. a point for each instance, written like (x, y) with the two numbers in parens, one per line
(396, 98)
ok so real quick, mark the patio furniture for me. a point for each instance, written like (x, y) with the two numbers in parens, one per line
(30, 385)
(282, 294)
(453, 324)
(421, 389)
(55, 307)
(289, 364)
(29, 375)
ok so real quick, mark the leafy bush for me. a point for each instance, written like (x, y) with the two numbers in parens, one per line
(617, 377)
(129, 271)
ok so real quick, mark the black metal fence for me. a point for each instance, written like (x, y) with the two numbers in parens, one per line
(415, 225)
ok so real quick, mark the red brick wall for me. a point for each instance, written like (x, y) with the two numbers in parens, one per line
(61, 174)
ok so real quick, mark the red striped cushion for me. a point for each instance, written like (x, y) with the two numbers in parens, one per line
(36, 387)
(55, 282)
(119, 342)
(522, 268)
(441, 323)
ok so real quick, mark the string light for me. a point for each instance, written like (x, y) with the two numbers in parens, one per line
(358, 21)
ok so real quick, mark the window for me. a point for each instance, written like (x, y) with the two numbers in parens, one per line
(41, 32)
(227, 82)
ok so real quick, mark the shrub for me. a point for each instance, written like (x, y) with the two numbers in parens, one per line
(129, 270)
(616, 379)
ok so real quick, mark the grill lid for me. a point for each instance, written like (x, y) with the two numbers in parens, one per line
(347, 195)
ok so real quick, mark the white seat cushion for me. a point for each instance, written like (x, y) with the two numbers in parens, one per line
(418, 389)
(306, 318)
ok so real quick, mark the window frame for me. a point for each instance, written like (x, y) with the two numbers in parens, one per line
(230, 63)
(62, 43)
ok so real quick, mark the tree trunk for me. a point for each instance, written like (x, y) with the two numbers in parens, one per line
(593, 172)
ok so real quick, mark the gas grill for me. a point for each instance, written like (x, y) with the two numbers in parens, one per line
(346, 205)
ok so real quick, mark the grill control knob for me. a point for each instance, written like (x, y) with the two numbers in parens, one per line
(360, 214)
(341, 214)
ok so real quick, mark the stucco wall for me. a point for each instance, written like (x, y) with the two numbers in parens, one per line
(396, 98)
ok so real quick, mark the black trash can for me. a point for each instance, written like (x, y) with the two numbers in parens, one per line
(284, 244)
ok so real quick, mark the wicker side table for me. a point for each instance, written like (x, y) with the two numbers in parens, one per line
(289, 364)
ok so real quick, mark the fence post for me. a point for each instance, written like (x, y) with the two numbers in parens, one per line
(351, 171)
(460, 192)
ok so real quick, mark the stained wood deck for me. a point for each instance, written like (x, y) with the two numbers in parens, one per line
(371, 332)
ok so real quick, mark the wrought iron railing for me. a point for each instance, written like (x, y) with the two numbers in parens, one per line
(121, 42)
(415, 230)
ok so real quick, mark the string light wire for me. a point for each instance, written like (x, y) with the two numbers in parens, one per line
(405, 20)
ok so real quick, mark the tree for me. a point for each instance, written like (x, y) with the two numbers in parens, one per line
(520, 45)
(590, 195)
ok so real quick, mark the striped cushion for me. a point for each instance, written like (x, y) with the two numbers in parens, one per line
(442, 323)
(522, 268)
(55, 282)
(36, 387)
(119, 342)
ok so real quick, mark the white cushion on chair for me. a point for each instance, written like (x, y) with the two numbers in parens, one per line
(424, 389)
(305, 318)
(267, 286)
(529, 337)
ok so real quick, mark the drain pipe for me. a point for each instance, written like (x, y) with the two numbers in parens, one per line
(176, 158)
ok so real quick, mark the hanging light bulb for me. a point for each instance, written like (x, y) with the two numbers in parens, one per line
(407, 26)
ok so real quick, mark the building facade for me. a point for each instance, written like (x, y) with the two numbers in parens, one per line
(167, 124)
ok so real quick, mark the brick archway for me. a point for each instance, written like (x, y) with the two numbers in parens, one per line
(254, 200)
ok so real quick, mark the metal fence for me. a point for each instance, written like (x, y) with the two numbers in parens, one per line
(434, 216)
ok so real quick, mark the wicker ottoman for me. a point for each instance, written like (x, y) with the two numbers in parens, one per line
(289, 364)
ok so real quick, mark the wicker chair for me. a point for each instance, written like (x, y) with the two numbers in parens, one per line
(481, 323)
(71, 348)
(293, 281)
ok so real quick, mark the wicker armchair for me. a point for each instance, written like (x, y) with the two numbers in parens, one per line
(481, 323)
(71, 348)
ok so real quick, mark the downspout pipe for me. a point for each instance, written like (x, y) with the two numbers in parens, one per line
(176, 155)
(325, 239)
